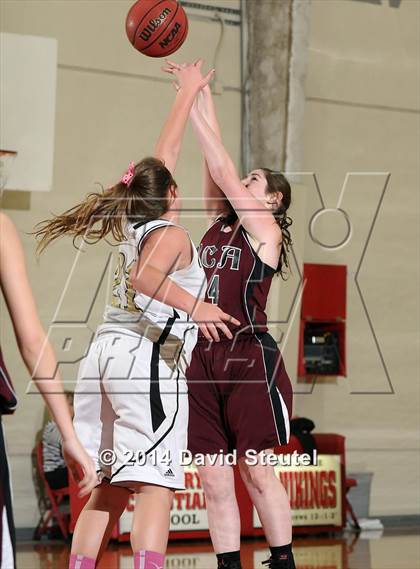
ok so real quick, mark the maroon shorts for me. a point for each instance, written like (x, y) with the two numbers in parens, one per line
(240, 396)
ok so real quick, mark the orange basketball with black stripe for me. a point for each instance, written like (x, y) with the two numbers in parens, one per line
(156, 28)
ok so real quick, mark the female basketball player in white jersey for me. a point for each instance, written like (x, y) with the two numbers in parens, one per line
(246, 405)
(131, 404)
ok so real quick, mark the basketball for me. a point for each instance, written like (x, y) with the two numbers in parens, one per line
(156, 28)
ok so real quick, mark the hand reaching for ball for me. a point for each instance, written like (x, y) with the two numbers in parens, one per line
(188, 75)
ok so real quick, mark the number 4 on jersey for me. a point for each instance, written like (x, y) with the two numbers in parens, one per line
(213, 289)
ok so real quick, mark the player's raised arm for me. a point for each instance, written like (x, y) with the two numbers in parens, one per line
(36, 350)
(190, 82)
(214, 199)
(258, 221)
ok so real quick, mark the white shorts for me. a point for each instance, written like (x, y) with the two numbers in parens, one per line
(131, 411)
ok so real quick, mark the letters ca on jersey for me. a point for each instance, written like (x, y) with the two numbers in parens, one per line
(230, 257)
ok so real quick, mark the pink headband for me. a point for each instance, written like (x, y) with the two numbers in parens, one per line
(129, 175)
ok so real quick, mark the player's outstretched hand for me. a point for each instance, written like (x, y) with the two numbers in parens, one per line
(210, 317)
(76, 457)
(188, 75)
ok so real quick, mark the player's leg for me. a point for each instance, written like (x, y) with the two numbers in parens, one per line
(258, 415)
(95, 523)
(207, 435)
(93, 421)
(150, 401)
(150, 528)
(270, 500)
(272, 504)
(223, 512)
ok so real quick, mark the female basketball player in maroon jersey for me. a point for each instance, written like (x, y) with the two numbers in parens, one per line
(240, 393)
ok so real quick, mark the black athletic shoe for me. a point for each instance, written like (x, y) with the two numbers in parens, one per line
(279, 563)
(233, 564)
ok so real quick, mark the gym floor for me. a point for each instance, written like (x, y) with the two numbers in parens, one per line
(395, 548)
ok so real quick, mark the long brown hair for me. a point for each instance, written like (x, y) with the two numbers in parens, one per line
(143, 199)
(276, 182)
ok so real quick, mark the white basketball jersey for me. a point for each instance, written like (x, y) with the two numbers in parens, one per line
(128, 305)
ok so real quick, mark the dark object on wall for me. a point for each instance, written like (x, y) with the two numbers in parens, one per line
(301, 428)
(322, 349)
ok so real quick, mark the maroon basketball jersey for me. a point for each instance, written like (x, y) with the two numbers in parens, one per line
(237, 280)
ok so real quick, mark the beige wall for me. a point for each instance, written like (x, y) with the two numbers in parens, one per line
(362, 115)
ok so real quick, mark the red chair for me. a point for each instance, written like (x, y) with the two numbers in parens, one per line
(55, 498)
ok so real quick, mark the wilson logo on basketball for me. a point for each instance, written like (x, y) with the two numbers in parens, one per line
(156, 28)
(153, 24)
(170, 36)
